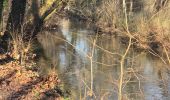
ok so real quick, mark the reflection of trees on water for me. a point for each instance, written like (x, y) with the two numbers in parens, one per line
(51, 48)
(77, 74)
(155, 87)
(149, 81)
(74, 68)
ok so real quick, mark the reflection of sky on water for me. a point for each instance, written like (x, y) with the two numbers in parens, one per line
(63, 59)
(153, 87)
(81, 44)
(75, 67)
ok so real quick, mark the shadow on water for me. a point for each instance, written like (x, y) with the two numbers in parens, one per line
(145, 77)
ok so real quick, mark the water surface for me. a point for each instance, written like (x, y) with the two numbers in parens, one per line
(69, 51)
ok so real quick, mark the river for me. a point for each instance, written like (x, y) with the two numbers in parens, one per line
(82, 64)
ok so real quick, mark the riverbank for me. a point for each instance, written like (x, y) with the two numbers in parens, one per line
(18, 82)
(147, 25)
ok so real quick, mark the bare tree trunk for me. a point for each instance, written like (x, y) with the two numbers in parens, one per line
(56, 6)
(16, 16)
(1, 10)
(15, 21)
